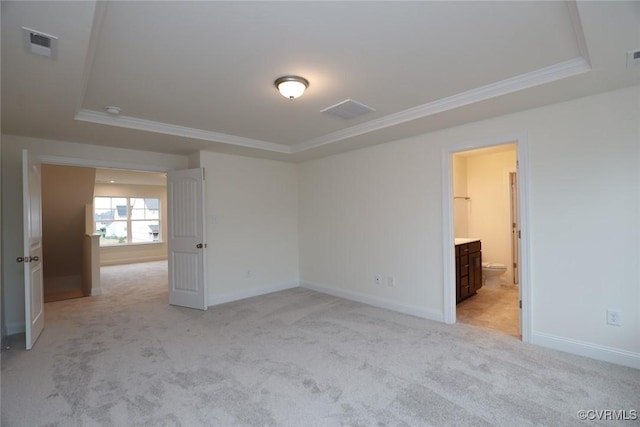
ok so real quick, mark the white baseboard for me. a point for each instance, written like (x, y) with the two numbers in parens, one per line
(587, 349)
(131, 260)
(248, 293)
(375, 301)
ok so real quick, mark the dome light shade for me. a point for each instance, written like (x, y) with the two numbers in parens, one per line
(291, 86)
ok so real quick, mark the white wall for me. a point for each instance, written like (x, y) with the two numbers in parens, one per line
(252, 226)
(68, 153)
(375, 211)
(490, 206)
(379, 211)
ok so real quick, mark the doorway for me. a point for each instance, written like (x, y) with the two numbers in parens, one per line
(76, 230)
(510, 298)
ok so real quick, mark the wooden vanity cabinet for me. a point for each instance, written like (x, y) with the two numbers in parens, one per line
(468, 269)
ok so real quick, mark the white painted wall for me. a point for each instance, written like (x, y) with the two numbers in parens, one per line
(461, 206)
(252, 225)
(66, 153)
(489, 207)
(379, 211)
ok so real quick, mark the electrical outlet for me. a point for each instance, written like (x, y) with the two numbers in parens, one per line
(377, 279)
(391, 281)
(614, 317)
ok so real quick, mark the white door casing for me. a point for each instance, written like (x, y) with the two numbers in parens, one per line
(515, 226)
(32, 257)
(524, 273)
(187, 247)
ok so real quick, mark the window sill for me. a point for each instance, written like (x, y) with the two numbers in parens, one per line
(128, 245)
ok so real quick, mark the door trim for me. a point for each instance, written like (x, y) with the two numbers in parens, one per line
(449, 291)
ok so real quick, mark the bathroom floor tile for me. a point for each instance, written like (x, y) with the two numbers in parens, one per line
(492, 308)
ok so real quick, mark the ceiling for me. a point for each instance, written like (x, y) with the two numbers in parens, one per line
(192, 76)
(129, 177)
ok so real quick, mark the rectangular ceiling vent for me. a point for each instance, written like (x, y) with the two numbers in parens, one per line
(633, 58)
(348, 109)
(40, 43)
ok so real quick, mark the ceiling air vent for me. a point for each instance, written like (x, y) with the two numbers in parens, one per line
(348, 109)
(40, 43)
(633, 58)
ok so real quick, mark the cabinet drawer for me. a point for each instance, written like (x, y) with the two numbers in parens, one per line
(464, 265)
(475, 246)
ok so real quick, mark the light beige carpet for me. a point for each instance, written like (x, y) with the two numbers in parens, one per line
(292, 358)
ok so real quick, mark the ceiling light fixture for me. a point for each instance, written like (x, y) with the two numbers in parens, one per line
(291, 86)
(114, 111)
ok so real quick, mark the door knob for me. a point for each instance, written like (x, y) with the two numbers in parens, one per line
(23, 259)
(200, 245)
(34, 258)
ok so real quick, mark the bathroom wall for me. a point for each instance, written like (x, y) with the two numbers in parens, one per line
(460, 206)
(489, 207)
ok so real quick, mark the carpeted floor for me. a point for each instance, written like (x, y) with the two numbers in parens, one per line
(291, 358)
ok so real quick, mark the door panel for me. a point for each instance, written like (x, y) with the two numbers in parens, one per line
(32, 258)
(186, 229)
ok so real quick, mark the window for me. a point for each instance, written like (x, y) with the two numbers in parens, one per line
(127, 220)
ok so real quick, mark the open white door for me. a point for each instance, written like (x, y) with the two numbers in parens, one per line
(187, 247)
(32, 258)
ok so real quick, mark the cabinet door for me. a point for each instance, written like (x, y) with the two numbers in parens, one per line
(458, 296)
(475, 271)
(465, 290)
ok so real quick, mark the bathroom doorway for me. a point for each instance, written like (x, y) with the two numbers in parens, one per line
(484, 211)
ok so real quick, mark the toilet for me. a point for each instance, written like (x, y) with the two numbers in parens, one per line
(492, 273)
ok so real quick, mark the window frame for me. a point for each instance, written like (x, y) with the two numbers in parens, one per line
(129, 220)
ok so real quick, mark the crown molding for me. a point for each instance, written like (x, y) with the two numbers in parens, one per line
(538, 77)
(578, 31)
(569, 68)
(549, 74)
(169, 129)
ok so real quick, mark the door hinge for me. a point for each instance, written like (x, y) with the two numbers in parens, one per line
(515, 265)
(520, 303)
(519, 235)
(203, 174)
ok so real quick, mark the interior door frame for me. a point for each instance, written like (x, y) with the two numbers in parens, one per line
(515, 225)
(94, 163)
(449, 291)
